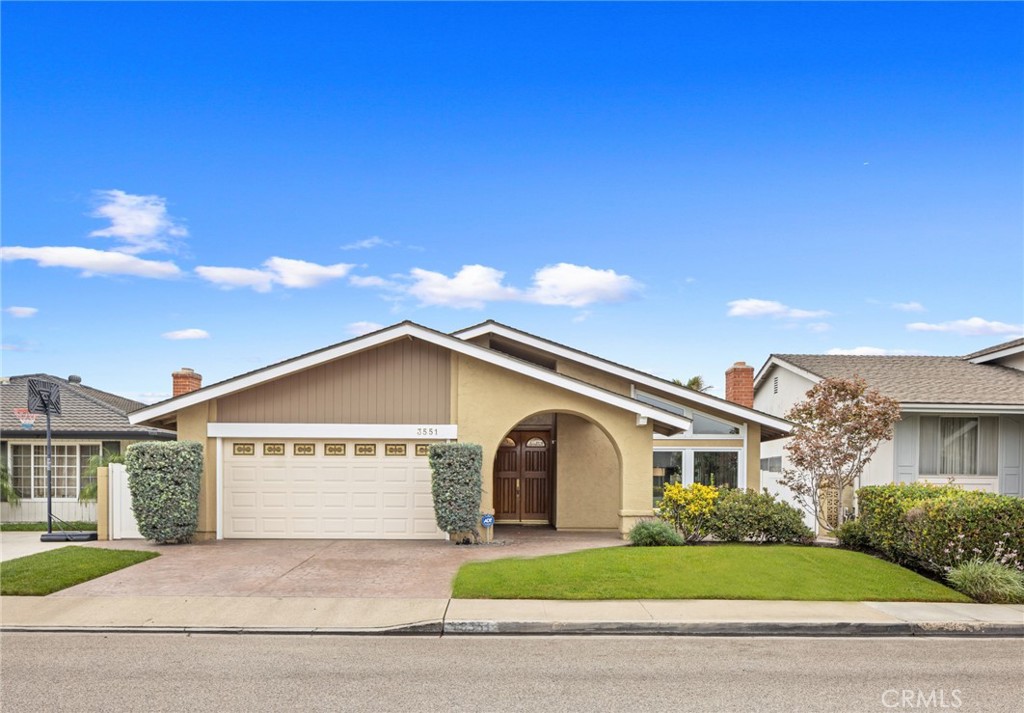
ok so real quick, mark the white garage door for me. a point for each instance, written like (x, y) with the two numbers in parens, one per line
(327, 489)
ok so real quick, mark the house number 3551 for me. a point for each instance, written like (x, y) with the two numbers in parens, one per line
(425, 431)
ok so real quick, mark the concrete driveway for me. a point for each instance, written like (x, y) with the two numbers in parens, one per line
(321, 568)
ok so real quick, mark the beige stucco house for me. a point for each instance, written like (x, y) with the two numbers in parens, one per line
(333, 443)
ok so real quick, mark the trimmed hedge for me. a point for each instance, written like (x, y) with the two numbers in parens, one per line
(457, 486)
(938, 527)
(750, 516)
(163, 479)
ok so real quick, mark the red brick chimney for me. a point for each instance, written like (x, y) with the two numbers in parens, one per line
(739, 384)
(186, 380)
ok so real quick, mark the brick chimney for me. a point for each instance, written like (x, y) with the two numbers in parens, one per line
(186, 380)
(739, 384)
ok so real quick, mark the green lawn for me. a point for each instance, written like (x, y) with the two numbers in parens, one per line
(41, 526)
(700, 572)
(48, 572)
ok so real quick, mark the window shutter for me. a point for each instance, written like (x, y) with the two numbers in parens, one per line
(929, 463)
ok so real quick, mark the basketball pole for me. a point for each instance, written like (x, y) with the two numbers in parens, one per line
(49, 471)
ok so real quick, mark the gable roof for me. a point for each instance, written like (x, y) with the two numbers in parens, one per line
(913, 379)
(668, 421)
(772, 426)
(1014, 346)
(85, 412)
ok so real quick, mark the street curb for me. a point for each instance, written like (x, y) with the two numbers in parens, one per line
(766, 629)
(556, 628)
(434, 628)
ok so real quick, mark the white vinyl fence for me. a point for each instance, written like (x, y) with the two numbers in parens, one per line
(122, 519)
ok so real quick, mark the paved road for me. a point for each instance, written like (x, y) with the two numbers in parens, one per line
(141, 672)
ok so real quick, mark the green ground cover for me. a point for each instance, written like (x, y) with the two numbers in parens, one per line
(52, 571)
(733, 571)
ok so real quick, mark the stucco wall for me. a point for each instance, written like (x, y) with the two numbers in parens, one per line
(587, 478)
(192, 422)
(493, 400)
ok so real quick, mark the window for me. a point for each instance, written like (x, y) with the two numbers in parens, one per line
(705, 425)
(702, 425)
(771, 465)
(959, 445)
(28, 468)
(689, 465)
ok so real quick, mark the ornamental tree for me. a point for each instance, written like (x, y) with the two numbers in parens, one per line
(839, 426)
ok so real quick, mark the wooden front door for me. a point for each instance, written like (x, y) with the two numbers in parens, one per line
(521, 471)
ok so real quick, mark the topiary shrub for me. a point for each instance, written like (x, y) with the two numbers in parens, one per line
(988, 581)
(654, 533)
(750, 516)
(688, 508)
(456, 485)
(852, 536)
(163, 479)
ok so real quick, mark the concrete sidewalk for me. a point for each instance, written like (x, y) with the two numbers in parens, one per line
(301, 615)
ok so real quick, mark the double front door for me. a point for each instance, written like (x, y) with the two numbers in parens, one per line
(522, 468)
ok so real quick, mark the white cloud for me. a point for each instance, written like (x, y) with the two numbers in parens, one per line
(21, 312)
(579, 285)
(972, 326)
(472, 286)
(232, 277)
(369, 243)
(357, 329)
(582, 316)
(370, 281)
(186, 334)
(286, 272)
(819, 326)
(751, 307)
(908, 306)
(92, 262)
(869, 351)
(140, 222)
(301, 274)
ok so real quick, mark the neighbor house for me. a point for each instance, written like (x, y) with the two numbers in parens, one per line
(91, 422)
(962, 417)
(334, 443)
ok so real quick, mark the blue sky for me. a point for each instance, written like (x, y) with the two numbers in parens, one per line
(671, 186)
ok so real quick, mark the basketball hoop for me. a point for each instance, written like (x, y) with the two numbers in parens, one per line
(27, 418)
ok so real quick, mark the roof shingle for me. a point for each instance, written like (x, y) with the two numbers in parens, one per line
(921, 379)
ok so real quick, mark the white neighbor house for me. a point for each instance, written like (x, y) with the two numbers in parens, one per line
(962, 417)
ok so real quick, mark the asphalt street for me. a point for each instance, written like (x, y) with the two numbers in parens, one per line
(177, 672)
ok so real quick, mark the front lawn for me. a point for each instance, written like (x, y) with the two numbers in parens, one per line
(41, 526)
(48, 572)
(733, 571)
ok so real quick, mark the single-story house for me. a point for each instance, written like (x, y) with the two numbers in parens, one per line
(91, 422)
(962, 417)
(334, 443)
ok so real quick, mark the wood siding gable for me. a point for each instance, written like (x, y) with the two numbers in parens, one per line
(401, 382)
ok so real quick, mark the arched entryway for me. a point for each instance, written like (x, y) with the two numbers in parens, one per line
(557, 468)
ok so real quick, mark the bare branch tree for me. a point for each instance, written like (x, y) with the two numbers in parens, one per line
(839, 426)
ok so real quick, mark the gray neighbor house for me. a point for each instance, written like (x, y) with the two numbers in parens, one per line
(962, 416)
(92, 422)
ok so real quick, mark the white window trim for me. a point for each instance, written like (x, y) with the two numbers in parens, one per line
(42, 444)
(687, 451)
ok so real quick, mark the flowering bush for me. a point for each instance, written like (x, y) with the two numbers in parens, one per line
(988, 581)
(688, 509)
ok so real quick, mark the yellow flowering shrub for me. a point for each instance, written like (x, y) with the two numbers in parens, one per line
(688, 509)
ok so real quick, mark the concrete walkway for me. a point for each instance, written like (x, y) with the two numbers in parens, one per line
(477, 616)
